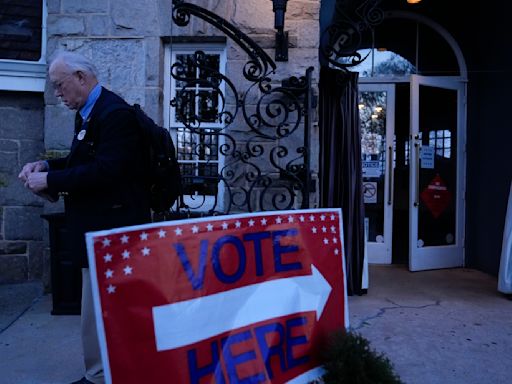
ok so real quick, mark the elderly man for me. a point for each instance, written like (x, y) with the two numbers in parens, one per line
(102, 179)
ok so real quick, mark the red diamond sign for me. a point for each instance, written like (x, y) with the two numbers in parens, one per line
(436, 196)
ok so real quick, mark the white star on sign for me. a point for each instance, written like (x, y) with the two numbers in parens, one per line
(301, 218)
(145, 251)
(178, 231)
(126, 254)
(311, 218)
(278, 220)
(334, 240)
(290, 219)
(251, 223)
(326, 241)
(106, 242)
(209, 227)
(224, 225)
(109, 273)
(336, 251)
(333, 217)
(195, 229)
(143, 236)
(333, 229)
(127, 270)
(322, 217)
(124, 239)
(314, 230)
(107, 258)
(238, 224)
(324, 229)
(162, 234)
(111, 289)
(263, 221)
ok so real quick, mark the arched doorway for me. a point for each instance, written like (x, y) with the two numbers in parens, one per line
(413, 121)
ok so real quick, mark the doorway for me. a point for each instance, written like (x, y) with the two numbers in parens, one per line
(412, 144)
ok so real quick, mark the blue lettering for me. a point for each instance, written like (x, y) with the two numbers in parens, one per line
(279, 250)
(215, 368)
(233, 360)
(195, 279)
(217, 267)
(292, 341)
(275, 350)
(257, 237)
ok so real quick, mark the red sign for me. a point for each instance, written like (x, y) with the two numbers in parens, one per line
(436, 196)
(225, 299)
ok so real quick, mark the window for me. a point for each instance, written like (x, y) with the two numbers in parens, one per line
(194, 99)
(23, 36)
(441, 141)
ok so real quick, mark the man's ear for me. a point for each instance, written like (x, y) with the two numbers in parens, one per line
(82, 77)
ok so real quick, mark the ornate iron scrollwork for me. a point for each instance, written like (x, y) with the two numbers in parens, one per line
(264, 150)
(342, 39)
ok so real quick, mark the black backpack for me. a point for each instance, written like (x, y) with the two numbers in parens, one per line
(164, 176)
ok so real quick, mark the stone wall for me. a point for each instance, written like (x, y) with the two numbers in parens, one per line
(22, 253)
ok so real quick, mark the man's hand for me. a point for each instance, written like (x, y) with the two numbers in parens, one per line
(36, 181)
(36, 166)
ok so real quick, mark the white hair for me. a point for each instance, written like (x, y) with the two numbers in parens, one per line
(75, 62)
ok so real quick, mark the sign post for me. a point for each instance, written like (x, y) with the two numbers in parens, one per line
(227, 299)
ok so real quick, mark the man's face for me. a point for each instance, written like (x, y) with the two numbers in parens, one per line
(68, 85)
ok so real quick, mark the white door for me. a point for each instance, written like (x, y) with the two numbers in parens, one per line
(437, 163)
(377, 114)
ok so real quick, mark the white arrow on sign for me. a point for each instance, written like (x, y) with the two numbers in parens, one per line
(187, 322)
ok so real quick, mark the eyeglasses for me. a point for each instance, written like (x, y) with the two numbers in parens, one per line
(57, 85)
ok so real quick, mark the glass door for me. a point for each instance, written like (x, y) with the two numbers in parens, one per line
(377, 113)
(437, 173)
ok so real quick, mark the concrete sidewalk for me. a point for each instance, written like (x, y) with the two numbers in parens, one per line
(447, 326)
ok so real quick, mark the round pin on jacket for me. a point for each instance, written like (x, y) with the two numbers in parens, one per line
(81, 134)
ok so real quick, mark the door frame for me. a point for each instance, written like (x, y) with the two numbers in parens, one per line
(448, 256)
(381, 253)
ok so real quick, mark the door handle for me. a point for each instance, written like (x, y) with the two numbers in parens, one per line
(417, 186)
(390, 172)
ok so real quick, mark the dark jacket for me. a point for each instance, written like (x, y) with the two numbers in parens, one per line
(102, 178)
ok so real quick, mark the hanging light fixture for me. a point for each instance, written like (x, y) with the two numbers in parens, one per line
(279, 8)
(414, 1)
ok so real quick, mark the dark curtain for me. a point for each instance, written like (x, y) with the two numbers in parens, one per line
(340, 164)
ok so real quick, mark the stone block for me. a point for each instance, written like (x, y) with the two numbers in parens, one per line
(9, 156)
(53, 6)
(24, 121)
(13, 247)
(13, 193)
(13, 269)
(59, 125)
(127, 20)
(154, 63)
(62, 26)
(153, 104)
(23, 223)
(30, 150)
(36, 260)
(90, 6)
(99, 25)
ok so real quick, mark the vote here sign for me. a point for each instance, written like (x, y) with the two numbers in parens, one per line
(246, 298)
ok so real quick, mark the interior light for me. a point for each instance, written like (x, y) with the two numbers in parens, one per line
(378, 109)
(413, 1)
(374, 116)
(360, 105)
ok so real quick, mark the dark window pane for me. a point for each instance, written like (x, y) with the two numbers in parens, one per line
(20, 29)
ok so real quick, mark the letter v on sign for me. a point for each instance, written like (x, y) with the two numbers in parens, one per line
(188, 322)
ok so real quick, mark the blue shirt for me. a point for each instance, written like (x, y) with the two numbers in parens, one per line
(85, 111)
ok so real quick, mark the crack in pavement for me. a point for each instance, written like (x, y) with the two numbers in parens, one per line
(364, 322)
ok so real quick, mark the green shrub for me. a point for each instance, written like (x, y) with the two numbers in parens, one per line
(349, 359)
